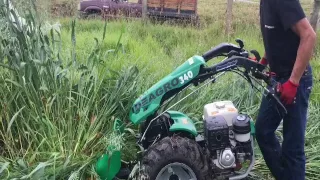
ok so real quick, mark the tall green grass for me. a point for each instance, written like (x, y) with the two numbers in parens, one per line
(56, 112)
(62, 86)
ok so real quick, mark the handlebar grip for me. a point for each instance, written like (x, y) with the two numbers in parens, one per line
(214, 52)
(208, 55)
(219, 50)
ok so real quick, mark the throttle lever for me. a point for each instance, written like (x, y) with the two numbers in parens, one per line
(275, 92)
(240, 42)
(256, 54)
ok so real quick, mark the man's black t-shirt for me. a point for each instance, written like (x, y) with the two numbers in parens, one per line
(281, 43)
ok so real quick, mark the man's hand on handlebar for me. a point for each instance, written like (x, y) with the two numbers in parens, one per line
(257, 58)
(263, 61)
(288, 92)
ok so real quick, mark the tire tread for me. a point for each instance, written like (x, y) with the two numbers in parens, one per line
(173, 149)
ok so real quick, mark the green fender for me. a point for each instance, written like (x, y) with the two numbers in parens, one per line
(182, 123)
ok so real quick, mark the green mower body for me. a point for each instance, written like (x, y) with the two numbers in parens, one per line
(165, 138)
(150, 101)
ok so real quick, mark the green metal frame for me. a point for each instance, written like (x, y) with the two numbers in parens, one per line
(150, 101)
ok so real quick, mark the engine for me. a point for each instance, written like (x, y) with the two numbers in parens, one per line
(227, 136)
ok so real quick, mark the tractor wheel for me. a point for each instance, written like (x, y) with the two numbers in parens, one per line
(174, 158)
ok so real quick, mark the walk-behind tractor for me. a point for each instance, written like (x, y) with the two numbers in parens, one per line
(171, 147)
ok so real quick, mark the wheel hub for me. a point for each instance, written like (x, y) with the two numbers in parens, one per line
(174, 177)
(176, 171)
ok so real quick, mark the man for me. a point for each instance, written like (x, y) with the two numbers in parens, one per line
(289, 41)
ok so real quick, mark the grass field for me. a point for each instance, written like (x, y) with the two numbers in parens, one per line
(58, 104)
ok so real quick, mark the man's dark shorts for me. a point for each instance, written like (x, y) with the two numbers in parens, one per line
(288, 162)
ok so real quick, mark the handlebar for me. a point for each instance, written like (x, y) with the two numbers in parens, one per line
(238, 57)
(220, 50)
(226, 49)
(237, 61)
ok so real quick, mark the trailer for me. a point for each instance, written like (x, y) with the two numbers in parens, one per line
(180, 9)
(164, 9)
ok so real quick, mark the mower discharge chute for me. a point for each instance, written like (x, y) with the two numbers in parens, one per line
(109, 164)
(171, 147)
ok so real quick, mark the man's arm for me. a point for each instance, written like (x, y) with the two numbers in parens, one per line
(307, 42)
(293, 17)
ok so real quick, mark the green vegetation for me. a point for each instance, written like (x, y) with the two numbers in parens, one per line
(60, 90)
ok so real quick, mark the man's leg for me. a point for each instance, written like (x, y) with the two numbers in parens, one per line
(267, 122)
(294, 125)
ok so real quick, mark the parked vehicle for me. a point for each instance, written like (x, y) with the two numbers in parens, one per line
(178, 9)
(109, 8)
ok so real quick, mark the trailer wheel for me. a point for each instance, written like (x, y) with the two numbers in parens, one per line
(93, 14)
(174, 158)
(195, 21)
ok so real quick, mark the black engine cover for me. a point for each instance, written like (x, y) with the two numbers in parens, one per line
(216, 133)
